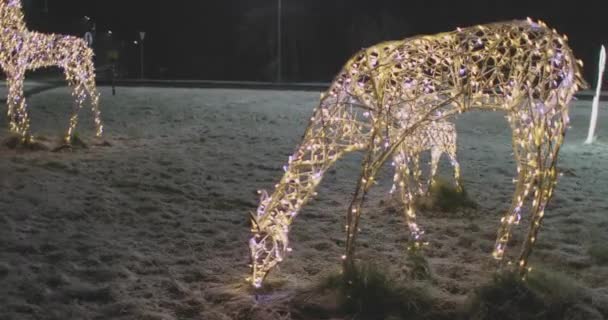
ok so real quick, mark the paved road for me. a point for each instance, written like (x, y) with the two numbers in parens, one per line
(300, 86)
(43, 85)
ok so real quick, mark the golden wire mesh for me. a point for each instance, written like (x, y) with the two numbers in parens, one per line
(387, 93)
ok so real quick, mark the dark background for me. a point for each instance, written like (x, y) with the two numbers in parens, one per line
(236, 39)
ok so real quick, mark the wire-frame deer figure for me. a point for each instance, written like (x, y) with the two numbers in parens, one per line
(385, 92)
(22, 50)
(438, 137)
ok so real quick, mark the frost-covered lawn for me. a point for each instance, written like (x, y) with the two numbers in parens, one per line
(156, 225)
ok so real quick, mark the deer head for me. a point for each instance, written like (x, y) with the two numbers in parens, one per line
(11, 14)
(269, 241)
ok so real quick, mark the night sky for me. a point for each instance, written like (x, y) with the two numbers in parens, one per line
(236, 39)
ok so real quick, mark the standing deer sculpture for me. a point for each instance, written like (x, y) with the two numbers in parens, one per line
(22, 50)
(386, 92)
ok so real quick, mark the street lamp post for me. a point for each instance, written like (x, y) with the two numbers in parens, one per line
(279, 38)
(142, 35)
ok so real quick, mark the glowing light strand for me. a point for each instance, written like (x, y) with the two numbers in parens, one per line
(22, 50)
(387, 92)
(596, 97)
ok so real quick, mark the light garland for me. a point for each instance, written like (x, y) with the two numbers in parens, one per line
(388, 91)
(22, 50)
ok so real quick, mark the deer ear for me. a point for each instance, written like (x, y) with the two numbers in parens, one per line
(254, 221)
(263, 195)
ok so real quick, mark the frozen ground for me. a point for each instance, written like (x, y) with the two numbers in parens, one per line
(155, 226)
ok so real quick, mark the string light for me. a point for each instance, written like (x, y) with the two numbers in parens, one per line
(396, 94)
(22, 50)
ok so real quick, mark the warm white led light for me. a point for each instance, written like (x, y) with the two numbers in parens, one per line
(391, 101)
(22, 50)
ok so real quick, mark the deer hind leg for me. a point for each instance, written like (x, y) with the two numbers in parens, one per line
(525, 156)
(403, 178)
(525, 185)
(536, 145)
(91, 88)
(79, 93)
(94, 96)
(547, 146)
(370, 166)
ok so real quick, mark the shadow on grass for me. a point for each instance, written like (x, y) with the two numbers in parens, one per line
(15, 142)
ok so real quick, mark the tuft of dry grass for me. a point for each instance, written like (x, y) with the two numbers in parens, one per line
(371, 293)
(543, 295)
(599, 253)
(418, 266)
(444, 196)
(77, 141)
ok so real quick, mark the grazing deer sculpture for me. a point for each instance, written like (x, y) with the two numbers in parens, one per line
(22, 50)
(438, 137)
(388, 91)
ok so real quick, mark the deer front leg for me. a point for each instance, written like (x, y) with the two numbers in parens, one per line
(353, 214)
(17, 106)
(403, 179)
(436, 153)
(454, 161)
(11, 102)
(417, 173)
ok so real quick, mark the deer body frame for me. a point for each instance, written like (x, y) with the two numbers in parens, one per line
(22, 50)
(386, 92)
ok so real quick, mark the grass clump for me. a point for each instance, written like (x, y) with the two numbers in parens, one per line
(418, 266)
(599, 254)
(370, 293)
(544, 295)
(444, 195)
(77, 141)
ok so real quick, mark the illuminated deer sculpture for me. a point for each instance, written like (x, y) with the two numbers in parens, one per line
(22, 50)
(386, 92)
(438, 137)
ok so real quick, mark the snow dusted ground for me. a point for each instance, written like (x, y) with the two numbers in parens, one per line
(155, 226)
